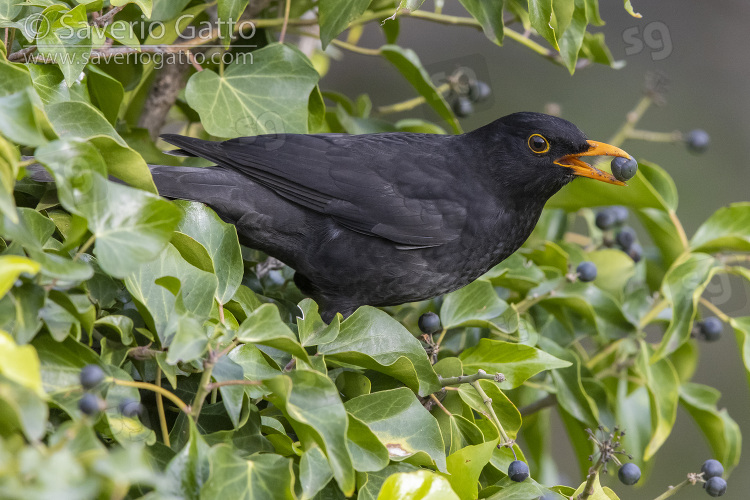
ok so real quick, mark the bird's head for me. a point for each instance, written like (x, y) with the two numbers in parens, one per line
(540, 154)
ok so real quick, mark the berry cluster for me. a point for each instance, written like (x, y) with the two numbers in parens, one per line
(463, 96)
(715, 485)
(91, 403)
(614, 218)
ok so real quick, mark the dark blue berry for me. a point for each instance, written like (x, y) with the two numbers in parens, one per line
(697, 140)
(518, 471)
(90, 404)
(91, 376)
(586, 271)
(462, 107)
(629, 474)
(429, 323)
(130, 408)
(711, 329)
(479, 91)
(716, 486)
(605, 219)
(626, 237)
(712, 468)
(621, 214)
(624, 169)
(635, 252)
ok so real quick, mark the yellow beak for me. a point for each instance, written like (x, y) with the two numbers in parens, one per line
(583, 169)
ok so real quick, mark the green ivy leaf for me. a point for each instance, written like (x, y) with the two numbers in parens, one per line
(219, 239)
(540, 16)
(402, 424)
(517, 362)
(682, 287)
(464, 467)
(264, 326)
(728, 229)
(473, 305)
(504, 408)
(74, 119)
(145, 5)
(314, 472)
(335, 16)
(66, 38)
(229, 13)
(312, 405)
(741, 328)
(11, 267)
(368, 453)
(489, 13)
(408, 64)
(629, 9)
(259, 477)
(198, 289)
(269, 96)
(417, 485)
(721, 431)
(22, 120)
(572, 37)
(312, 329)
(370, 338)
(663, 389)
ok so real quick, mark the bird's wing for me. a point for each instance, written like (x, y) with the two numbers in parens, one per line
(387, 185)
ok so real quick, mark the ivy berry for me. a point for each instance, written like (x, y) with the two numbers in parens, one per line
(518, 471)
(629, 474)
(697, 140)
(624, 169)
(91, 376)
(479, 91)
(586, 271)
(429, 323)
(710, 329)
(715, 486)
(130, 408)
(712, 468)
(462, 107)
(626, 237)
(605, 219)
(90, 404)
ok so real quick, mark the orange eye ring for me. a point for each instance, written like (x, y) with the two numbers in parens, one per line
(536, 145)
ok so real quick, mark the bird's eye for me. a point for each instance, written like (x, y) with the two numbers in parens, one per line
(538, 144)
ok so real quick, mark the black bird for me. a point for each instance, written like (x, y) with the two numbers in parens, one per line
(383, 219)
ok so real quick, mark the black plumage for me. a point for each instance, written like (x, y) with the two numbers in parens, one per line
(383, 219)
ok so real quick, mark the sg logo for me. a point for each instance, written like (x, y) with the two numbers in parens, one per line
(655, 36)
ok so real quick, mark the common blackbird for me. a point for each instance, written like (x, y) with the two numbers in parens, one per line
(383, 219)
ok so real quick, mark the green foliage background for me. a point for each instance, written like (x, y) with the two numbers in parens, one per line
(247, 393)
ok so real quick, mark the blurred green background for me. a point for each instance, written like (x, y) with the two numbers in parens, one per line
(699, 47)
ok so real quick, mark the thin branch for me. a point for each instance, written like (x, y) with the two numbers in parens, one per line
(468, 379)
(437, 402)
(410, 104)
(154, 388)
(588, 490)
(355, 48)
(672, 490)
(287, 8)
(160, 409)
(647, 135)
(104, 20)
(505, 440)
(223, 383)
(712, 307)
